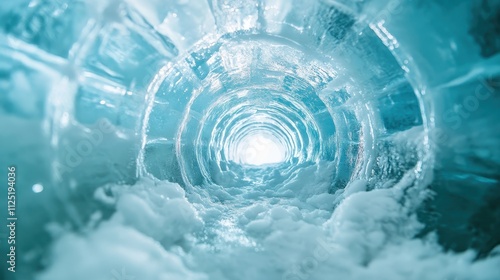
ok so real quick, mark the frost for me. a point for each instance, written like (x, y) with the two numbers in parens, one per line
(233, 139)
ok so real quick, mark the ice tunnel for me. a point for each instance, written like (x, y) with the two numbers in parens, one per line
(259, 139)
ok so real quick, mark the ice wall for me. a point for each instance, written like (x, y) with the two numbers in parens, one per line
(253, 139)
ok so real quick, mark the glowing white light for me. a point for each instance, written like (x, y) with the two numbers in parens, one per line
(37, 188)
(260, 149)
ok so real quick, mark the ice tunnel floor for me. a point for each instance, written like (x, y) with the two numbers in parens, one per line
(161, 232)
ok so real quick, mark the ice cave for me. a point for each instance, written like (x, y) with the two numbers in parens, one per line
(250, 139)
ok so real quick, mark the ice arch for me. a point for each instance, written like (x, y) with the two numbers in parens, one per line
(264, 112)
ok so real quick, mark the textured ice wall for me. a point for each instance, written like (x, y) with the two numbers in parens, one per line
(381, 117)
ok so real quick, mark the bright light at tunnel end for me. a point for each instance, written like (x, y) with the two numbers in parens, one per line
(259, 149)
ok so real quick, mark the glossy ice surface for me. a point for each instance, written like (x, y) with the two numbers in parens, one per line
(269, 139)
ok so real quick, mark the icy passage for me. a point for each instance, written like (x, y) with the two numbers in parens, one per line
(267, 139)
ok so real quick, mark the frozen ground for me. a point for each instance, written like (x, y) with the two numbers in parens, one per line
(158, 232)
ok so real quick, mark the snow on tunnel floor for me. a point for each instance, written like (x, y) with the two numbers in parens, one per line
(161, 232)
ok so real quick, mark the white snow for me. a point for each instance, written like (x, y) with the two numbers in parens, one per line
(157, 233)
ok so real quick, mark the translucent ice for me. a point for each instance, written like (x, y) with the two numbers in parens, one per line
(233, 139)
